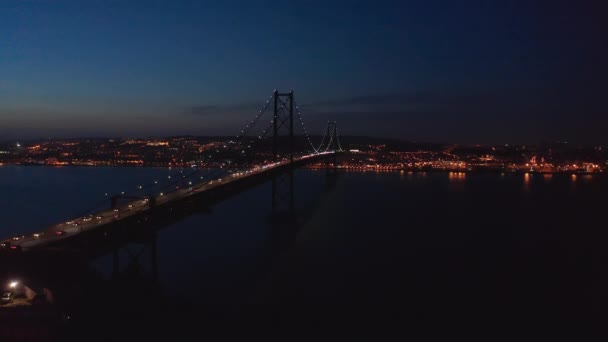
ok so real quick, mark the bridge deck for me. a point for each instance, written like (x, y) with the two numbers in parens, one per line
(100, 220)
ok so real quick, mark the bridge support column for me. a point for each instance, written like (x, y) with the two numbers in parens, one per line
(280, 120)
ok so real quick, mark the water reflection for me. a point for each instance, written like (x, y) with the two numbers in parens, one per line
(377, 249)
(128, 275)
(457, 180)
(527, 178)
(457, 176)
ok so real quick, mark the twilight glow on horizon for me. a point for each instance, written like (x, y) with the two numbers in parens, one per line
(465, 72)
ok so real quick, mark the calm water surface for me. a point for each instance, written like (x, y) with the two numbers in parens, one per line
(416, 250)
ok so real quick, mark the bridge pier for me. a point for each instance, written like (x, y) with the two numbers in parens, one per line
(135, 262)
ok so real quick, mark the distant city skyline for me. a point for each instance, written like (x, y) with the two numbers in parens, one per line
(429, 71)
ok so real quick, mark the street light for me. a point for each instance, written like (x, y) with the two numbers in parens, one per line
(13, 284)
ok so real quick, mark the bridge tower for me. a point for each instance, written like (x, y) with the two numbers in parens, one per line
(282, 185)
(282, 119)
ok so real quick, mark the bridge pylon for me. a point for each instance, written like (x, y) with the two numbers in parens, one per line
(282, 120)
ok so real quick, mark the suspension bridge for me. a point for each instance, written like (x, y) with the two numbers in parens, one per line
(185, 194)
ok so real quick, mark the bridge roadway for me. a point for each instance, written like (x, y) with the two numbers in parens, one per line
(134, 211)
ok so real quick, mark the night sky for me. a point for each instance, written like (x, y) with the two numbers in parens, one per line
(443, 71)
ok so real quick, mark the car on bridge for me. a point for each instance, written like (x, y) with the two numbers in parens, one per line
(11, 246)
(74, 229)
(7, 298)
(8, 244)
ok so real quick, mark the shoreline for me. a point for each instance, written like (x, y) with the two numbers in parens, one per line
(348, 169)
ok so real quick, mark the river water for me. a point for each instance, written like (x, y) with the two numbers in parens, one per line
(414, 250)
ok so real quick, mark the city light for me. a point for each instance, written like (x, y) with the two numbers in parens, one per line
(13, 284)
